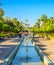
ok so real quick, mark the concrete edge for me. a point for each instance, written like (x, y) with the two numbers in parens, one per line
(11, 56)
(45, 59)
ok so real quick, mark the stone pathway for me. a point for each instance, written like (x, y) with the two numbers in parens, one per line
(47, 46)
(6, 47)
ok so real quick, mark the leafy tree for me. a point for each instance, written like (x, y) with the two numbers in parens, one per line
(8, 22)
(7, 28)
(17, 24)
(1, 25)
(44, 25)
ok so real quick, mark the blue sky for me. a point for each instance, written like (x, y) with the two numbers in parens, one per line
(28, 9)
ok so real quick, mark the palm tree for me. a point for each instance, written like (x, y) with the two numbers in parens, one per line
(43, 18)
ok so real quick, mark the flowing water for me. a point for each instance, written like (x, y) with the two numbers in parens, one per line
(27, 55)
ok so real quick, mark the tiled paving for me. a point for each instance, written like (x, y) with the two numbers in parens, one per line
(47, 46)
(6, 47)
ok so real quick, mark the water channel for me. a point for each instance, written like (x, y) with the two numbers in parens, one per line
(27, 55)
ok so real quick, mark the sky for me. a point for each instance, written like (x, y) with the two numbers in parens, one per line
(28, 9)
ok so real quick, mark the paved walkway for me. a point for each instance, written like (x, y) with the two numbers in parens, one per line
(6, 47)
(47, 46)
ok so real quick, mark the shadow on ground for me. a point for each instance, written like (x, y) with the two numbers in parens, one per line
(5, 50)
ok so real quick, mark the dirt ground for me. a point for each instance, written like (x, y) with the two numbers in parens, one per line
(47, 46)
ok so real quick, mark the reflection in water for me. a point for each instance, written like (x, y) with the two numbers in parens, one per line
(27, 55)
